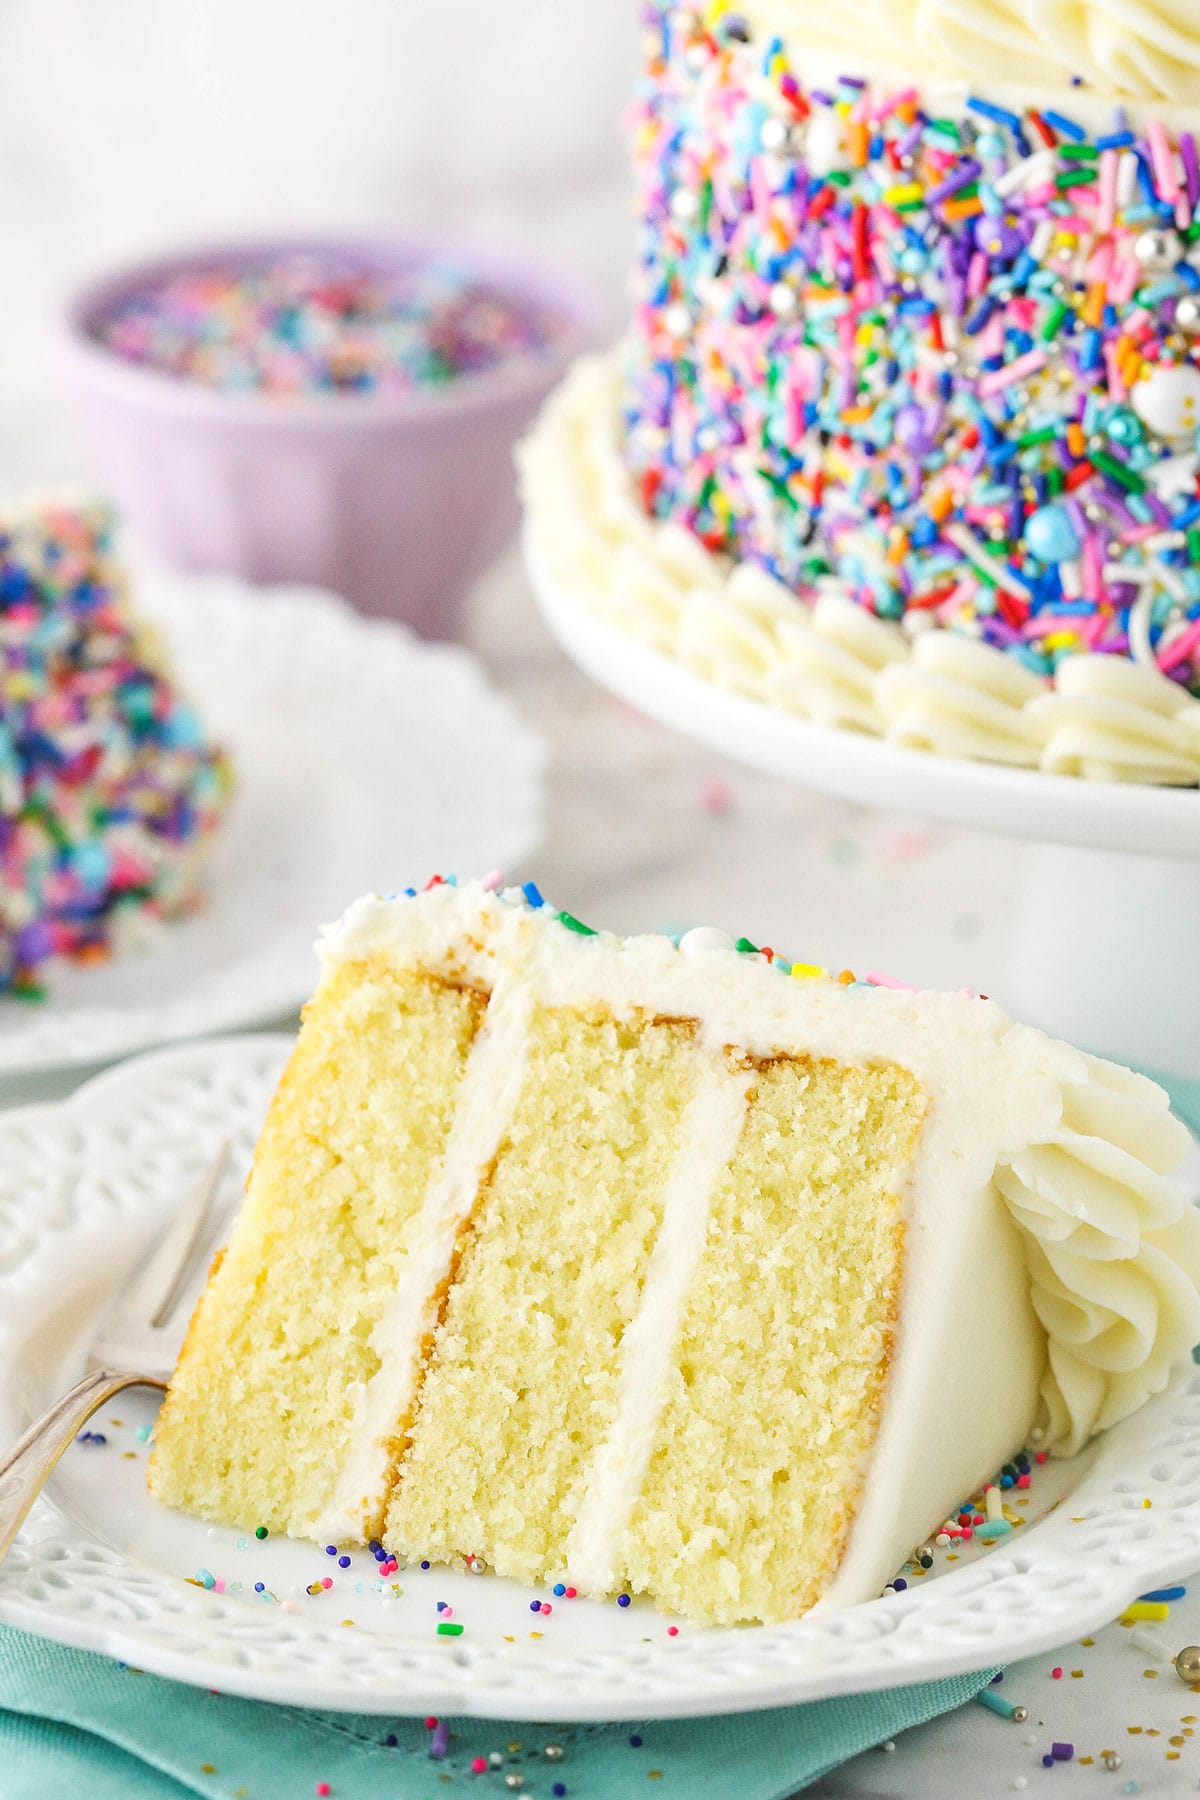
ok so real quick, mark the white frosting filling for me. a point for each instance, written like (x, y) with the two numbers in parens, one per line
(711, 1126)
(1103, 718)
(1086, 1292)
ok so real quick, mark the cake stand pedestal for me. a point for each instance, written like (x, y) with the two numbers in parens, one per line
(1104, 947)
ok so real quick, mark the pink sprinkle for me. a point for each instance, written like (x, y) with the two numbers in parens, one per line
(479, 1765)
(1056, 1674)
(888, 981)
(1108, 191)
(219, 1585)
(492, 880)
(672, 1631)
(327, 1582)
(546, 1607)
(323, 1788)
(1164, 162)
(716, 795)
(997, 379)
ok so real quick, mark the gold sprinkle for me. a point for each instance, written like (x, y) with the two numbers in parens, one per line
(1172, 1756)
(952, 1556)
(508, 1639)
(347, 1621)
(1150, 1674)
(1076, 1674)
(653, 1774)
(1085, 1759)
(1147, 1504)
(537, 1634)
(1087, 1642)
(1175, 1740)
(208, 1768)
(1108, 1753)
(1134, 1730)
(1151, 1732)
(129, 1456)
(117, 1423)
(1188, 1719)
(514, 1749)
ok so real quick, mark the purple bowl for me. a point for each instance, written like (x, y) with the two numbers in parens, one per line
(396, 501)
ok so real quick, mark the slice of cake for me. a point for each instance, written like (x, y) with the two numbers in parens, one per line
(109, 790)
(667, 1268)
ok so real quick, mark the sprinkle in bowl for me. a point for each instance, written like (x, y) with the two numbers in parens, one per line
(334, 410)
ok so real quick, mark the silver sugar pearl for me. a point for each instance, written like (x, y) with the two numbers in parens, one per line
(677, 320)
(782, 301)
(1187, 313)
(1187, 1663)
(496, 1758)
(685, 203)
(1152, 248)
(514, 1780)
(553, 1753)
(1112, 1762)
(1020, 1714)
(775, 134)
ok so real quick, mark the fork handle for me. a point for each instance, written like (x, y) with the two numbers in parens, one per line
(26, 1468)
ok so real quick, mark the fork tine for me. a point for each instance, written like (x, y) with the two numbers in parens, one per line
(154, 1292)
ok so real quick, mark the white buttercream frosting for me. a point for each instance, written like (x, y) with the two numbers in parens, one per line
(1103, 718)
(1058, 1162)
(1136, 49)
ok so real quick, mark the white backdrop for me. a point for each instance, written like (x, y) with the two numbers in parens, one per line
(127, 125)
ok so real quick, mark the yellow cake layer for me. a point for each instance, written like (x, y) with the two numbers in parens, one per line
(260, 1411)
(522, 1384)
(774, 1392)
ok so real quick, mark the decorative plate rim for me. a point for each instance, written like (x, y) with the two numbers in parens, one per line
(138, 1131)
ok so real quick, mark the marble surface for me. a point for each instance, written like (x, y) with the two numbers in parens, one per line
(644, 830)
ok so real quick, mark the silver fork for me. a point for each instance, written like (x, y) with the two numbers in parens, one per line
(134, 1347)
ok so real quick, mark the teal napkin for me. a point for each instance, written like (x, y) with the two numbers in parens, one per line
(77, 1724)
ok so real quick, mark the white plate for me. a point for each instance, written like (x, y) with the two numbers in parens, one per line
(1104, 815)
(83, 1184)
(365, 759)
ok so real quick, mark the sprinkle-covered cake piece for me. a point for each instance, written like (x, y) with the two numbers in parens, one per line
(109, 789)
(647, 1267)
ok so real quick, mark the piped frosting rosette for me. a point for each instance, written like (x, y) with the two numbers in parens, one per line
(826, 658)
(1113, 1251)
(1131, 47)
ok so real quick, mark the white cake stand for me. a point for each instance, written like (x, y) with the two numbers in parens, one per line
(1110, 912)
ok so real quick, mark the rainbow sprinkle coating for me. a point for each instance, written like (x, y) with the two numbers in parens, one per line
(953, 363)
(301, 325)
(107, 784)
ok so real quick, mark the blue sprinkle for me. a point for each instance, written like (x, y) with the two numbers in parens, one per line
(998, 113)
(1171, 1593)
(558, 1590)
(1066, 126)
(530, 891)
